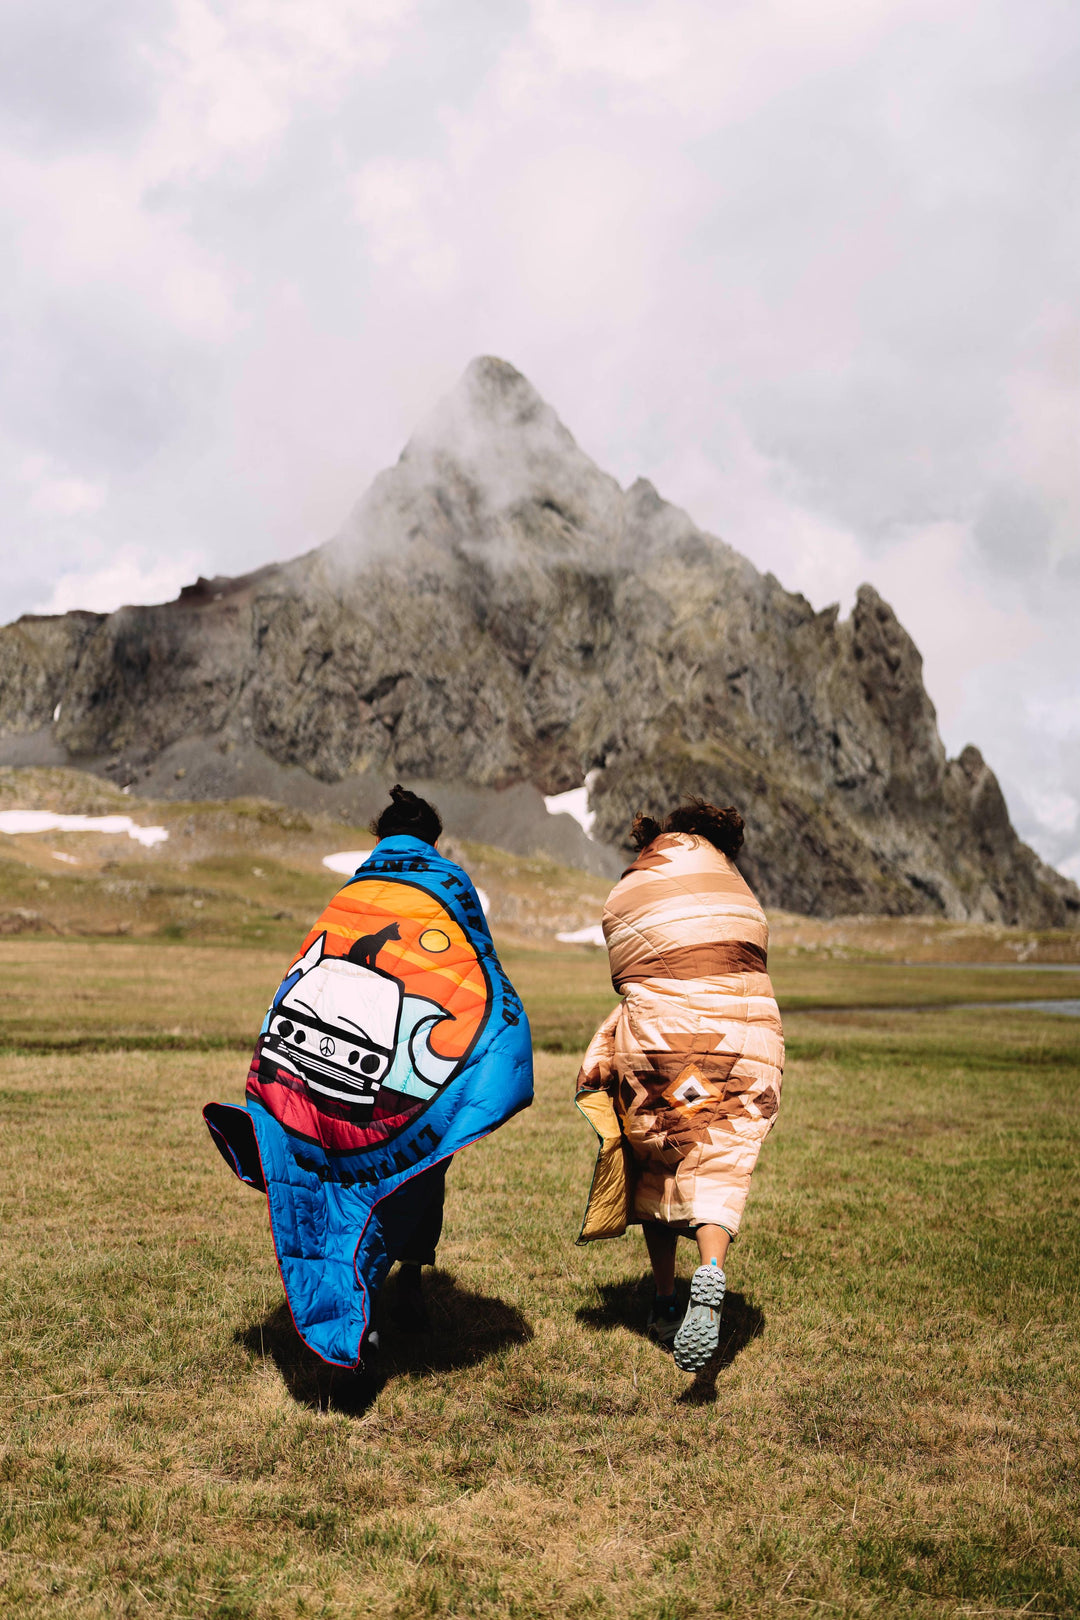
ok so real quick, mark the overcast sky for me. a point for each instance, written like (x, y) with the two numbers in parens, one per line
(811, 266)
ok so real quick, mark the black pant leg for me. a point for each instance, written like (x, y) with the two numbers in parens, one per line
(419, 1250)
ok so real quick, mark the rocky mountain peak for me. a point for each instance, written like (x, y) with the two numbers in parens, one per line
(494, 399)
(490, 477)
(494, 415)
(499, 619)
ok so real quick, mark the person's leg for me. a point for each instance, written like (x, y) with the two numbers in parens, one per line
(423, 1240)
(665, 1315)
(661, 1243)
(712, 1242)
(410, 1311)
(699, 1334)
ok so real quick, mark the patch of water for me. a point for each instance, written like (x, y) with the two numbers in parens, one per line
(44, 821)
(1068, 1006)
(1000, 967)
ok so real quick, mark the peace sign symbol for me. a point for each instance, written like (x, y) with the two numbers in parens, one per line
(326, 1046)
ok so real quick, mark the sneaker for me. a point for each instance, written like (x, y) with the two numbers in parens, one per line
(698, 1336)
(665, 1316)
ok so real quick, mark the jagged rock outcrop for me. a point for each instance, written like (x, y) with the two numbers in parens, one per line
(498, 611)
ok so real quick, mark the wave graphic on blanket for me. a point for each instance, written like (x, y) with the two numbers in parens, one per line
(394, 1039)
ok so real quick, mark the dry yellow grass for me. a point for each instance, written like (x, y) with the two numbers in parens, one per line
(891, 1428)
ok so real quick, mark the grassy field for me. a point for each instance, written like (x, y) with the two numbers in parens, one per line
(891, 1425)
(890, 1429)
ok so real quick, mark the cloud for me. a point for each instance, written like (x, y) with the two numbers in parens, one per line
(130, 576)
(810, 269)
(53, 492)
(234, 76)
(396, 202)
(75, 72)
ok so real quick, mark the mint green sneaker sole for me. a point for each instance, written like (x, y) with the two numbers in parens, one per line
(698, 1337)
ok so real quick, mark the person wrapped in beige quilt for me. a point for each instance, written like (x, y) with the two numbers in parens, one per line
(682, 1081)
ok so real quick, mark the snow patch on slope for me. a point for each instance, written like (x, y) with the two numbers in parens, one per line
(43, 821)
(345, 861)
(574, 803)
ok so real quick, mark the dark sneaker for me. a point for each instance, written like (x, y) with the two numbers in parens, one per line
(697, 1338)
(665, 1317)
(409, 1309)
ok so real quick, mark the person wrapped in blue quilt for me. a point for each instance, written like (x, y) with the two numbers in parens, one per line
(394, 1039)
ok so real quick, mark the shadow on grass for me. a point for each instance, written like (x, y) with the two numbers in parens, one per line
(626, 1304)
(465, 1329)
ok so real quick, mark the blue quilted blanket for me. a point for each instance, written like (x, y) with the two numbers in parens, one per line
(394, 1039)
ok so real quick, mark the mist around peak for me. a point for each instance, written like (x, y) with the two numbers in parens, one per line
(491, 473)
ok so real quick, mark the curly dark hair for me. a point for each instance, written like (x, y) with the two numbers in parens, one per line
(408, 813)
(722, 827)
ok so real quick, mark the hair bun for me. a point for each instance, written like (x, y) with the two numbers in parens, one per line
(408, 813)
(408, 805)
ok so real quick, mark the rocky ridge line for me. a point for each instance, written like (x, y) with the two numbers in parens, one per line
(496, 614)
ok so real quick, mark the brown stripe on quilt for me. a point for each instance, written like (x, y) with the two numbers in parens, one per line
(695, 962)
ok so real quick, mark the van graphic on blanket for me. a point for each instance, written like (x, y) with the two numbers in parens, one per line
(346, 1028)
(372, 1019)
(415, 1044)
